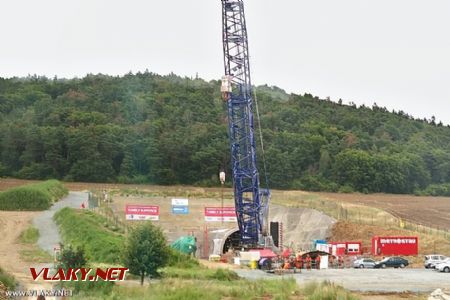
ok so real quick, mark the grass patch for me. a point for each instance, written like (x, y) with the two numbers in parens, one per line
(31, 197)
(7, 279)
(181, 260)
(90, 231)
(176, 288)
(89, 289)
(326, 291)
(29, 235)
(200, 273)
(35, 255)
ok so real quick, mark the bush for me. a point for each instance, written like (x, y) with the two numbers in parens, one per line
(72, 258)
(7, 280)
(39, 196)
(2, 170)
(29, 235)
(315, 184)
(436, 190)
(139, 179)
(181, 260)
(346, 189)
(86, 229)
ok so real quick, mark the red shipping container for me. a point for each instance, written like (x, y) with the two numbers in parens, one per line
(395, 245)
(345, 248)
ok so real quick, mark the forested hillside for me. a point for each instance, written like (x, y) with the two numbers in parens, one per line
(172, 130)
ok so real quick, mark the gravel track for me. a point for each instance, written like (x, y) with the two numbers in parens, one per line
(48, 230)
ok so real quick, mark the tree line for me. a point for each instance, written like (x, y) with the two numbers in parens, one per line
(148, 128)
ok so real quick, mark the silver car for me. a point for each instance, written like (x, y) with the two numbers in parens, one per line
(443, 267)
(364, 263)
(434, 265)
(432, 260)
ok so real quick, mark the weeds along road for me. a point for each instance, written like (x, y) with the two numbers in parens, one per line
(48, 230)
(366, 280)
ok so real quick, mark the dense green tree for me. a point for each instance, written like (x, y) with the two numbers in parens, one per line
(146, 251)
(173, 130)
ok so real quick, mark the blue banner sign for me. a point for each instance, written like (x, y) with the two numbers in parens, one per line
(180, 210)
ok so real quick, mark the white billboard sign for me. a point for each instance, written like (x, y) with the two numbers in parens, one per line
(180, 202)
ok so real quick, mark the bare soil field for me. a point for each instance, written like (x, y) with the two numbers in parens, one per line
(7, 183)
(429, 211)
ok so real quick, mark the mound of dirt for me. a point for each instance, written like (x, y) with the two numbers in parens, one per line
(301, 225)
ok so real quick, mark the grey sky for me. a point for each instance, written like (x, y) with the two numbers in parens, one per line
(393, 52)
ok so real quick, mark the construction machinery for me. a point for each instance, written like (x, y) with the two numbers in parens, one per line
(251, 201)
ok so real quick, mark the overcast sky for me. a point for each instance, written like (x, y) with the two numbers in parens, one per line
(392, 52)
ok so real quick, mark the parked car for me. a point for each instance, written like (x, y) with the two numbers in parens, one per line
(364, 263)
(443, 267)
(392, 262)
(432, 260)
(434, 265)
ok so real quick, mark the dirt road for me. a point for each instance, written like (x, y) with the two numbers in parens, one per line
(12, 223)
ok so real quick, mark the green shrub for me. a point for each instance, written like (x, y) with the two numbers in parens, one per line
(86, 229)
(181, 260)
(29, 235)
(139, 179)
(7, 280)
(38, 196)
(442, 189)
(346, 189)
(72, 258)
(315, 184)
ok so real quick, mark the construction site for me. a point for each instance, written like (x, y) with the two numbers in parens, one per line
(303, 232)
(362, 221)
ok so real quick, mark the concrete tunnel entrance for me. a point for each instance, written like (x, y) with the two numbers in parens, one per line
(224, 239)
(231, 241)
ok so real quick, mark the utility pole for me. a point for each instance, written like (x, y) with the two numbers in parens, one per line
(222, 182)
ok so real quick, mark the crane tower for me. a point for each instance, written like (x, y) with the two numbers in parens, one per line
(251, 202)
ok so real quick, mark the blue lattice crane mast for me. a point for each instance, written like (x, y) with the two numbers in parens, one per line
(251, 201)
